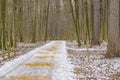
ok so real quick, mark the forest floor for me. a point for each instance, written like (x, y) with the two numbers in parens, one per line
(57, 61)
(90, 64)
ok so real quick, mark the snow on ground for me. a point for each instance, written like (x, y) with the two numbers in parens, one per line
(11, 65)
(74, 45)
(55, 61)
(56, 68)
(21, 49)
(91, 64)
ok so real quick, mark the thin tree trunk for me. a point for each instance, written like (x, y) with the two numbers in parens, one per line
(3, 16)
(76, 19)
(96, 33)
(47, 20)
(13, 26)
(87, 22)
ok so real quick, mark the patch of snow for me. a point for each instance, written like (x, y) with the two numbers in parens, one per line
(85, 49)
(61, 69)
(11, 65)
(97, 68)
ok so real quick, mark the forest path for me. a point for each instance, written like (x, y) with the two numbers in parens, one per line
(48, 62)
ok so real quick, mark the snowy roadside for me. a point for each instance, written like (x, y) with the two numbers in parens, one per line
(64, 68)
(60, 68)
(73, 45)
(71, 64)
(91, 64)
(15, 63)
(22, 48)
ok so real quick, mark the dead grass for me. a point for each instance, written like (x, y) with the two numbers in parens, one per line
(39, 64)
(27, 78)
(54, 47)
(44, 52)
(57, 52)
(45, 56)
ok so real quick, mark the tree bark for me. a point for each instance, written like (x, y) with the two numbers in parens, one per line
(113, 41)
(3, 17)
(47, 20)
(96, 31)
(76, 19)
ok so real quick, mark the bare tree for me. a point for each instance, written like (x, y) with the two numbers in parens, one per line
(76, 18)
(114, 30)
(47, 18)
(3, 16)
(96, 29)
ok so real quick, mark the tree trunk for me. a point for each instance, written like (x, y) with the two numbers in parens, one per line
(3, 17)
(113, 41)
(76, 19)
(13, 26)
(96, 31)
(0, 27)
(47, 19)
(87, 22)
